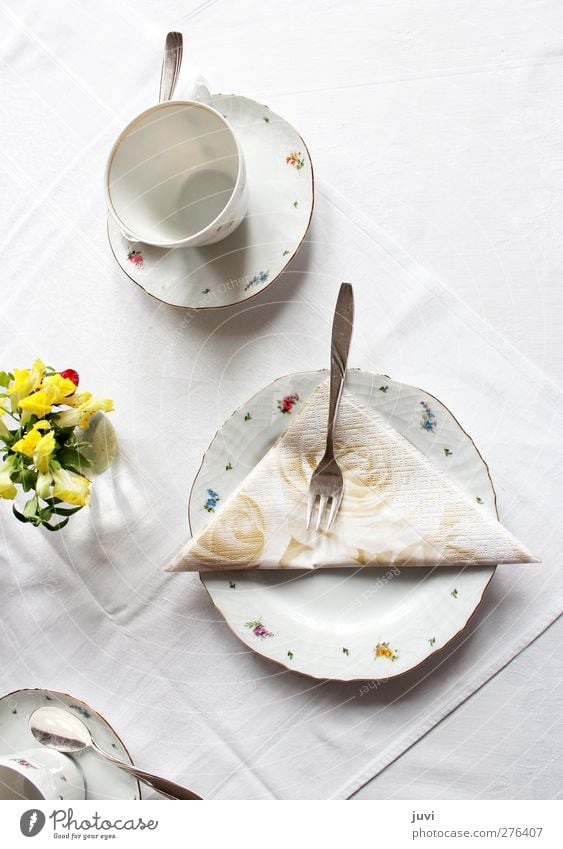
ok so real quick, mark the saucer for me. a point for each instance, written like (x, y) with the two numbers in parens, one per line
(280, 182)
(344, 624)
(102, 780)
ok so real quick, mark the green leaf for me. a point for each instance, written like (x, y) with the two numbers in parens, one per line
(30, 508)
(19, 515)
(55, 527)
(28, 479)
(66, 511)
(4, 378)
(70, 457)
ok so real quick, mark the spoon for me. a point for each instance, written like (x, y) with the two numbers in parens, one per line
(59, 729)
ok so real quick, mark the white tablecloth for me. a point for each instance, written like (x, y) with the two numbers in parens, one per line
(444, 125)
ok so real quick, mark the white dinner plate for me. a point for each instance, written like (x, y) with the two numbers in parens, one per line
(280, 184)
(345, 624)
(101, 779)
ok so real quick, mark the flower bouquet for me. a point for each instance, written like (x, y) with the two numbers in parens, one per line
(42, 417)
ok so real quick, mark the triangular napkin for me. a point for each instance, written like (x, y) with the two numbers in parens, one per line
(398, 509)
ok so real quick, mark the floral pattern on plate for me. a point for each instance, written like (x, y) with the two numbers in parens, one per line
(384, 650)
(136, 257)
(212, 499)
(288, 402)
(428, 418)
(296, 159)
(258, 629)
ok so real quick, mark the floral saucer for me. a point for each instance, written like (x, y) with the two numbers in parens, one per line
(280, 181)
(102, 780)
(344, 624)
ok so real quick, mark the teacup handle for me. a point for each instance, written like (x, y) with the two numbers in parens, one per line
(196, 89)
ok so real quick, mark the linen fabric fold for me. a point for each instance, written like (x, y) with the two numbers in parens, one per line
(397, 508)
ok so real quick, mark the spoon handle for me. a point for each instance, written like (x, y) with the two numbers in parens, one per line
(157, 782)
(170, 65)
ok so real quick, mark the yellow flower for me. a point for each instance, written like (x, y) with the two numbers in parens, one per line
(58, 387)
(43, 484)
(4, 431)
(38, 404)
(25, 382)
(7, 487)
(78, 398)
(43, 451)
(53, 390)
(81, 415)
(74, 489)
(28, 443)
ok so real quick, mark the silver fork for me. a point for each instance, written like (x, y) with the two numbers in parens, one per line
(327, 483)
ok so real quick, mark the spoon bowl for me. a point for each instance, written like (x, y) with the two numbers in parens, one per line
(59, 729)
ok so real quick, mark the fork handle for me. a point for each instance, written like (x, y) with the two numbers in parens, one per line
(342, 324)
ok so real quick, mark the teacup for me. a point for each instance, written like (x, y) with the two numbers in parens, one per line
(40, 774)
(176, 176)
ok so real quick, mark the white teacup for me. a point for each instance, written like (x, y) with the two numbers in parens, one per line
(40, 774)
(176, 177)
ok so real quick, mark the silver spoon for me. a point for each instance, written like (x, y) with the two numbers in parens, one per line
(171, 63)
(59, 729)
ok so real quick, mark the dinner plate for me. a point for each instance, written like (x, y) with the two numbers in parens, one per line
(101, 779)
(280, 184)
(345, 624)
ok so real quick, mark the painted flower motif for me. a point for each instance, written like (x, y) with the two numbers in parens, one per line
(258, 629)
(287, 403)
(23, 762)
(136, 257)
(261, 277)
(212, 499)
(82, 711)
(428, 418)
(295, 159)
(383, 650)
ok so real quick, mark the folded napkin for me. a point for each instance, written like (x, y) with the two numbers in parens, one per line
(397, 509)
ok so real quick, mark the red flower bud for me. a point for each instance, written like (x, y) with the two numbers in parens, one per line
(70, 374)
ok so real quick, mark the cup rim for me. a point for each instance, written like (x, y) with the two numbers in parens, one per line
(130, 234)
(19, 769)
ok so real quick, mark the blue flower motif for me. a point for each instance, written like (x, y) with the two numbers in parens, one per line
(212, 499)
(261, 277)
(428, 420)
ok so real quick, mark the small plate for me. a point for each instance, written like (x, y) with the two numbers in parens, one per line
(344, 624)
(102, 781)
(280, 182)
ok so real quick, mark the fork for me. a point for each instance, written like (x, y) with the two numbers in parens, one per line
(327, 483)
